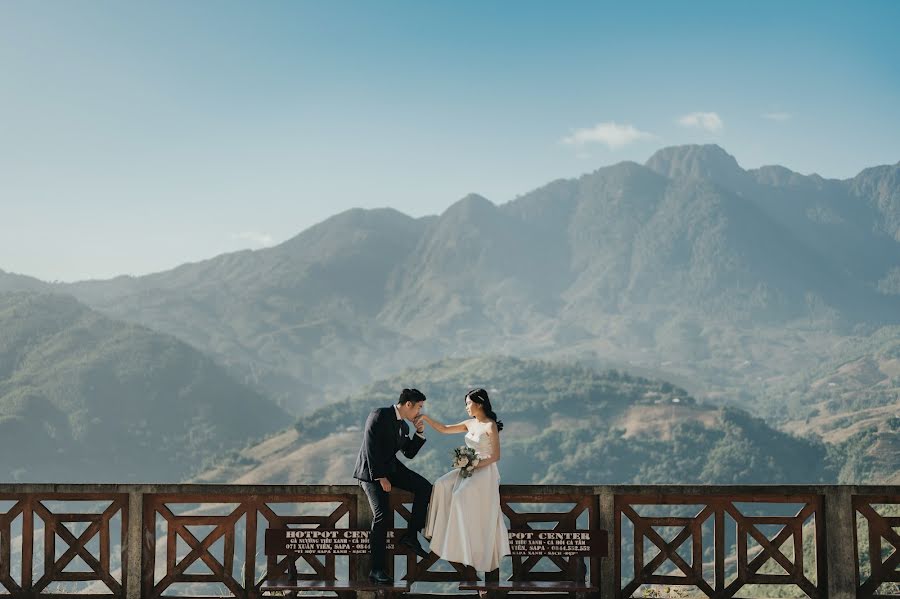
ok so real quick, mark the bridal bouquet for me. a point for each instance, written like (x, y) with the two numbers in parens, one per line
(465, 459)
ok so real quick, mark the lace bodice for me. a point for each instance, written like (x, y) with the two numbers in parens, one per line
(479, 440)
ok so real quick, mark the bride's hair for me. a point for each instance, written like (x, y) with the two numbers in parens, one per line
(480, 397)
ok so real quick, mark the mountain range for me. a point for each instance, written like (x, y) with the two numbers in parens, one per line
(748, 288)
(688, 265)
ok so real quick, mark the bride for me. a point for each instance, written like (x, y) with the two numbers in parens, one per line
(464, 521)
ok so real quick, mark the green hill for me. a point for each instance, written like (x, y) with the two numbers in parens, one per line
(87, 399)
(853, 402)
(564, 423)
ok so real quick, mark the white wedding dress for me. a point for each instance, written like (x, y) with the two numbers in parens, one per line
(464, 522)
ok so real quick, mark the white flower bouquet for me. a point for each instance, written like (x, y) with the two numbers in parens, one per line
(465, 459)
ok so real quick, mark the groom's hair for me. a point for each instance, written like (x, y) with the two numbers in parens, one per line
(413, 395)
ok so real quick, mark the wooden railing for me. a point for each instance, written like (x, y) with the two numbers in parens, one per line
(156, 541)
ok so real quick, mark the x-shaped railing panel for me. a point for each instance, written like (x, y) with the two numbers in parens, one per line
(748, 564)
(31, 511)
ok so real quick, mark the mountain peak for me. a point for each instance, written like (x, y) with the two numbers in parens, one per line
(775, 174)
(697, 161)
(471, 206)
(356, 217)
(474, 198)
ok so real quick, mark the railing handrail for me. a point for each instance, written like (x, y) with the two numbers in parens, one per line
(831, 511)
(29, 487)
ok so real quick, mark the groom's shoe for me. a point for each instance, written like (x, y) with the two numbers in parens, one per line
(380, 577)
(411, 541)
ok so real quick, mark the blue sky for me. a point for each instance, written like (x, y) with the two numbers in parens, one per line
(138, 136)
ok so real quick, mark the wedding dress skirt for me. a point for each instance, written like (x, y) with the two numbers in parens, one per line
(464, 522)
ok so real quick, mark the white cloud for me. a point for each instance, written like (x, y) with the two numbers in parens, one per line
(704, 120)
(777, 116)
(260, 239)
(612, 134)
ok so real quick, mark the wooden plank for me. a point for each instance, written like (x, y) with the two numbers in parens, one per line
(287, 584)
(201, 520)
(197, 578)
(228, 551)
(104, 544)
(148, 546)
(250, 543)
(527, 585)
(123, 534)
(78, 517)
(75, 577)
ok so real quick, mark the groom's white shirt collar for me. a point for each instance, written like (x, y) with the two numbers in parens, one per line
(397, 412)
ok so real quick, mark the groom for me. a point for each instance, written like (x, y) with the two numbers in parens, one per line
(379, 470)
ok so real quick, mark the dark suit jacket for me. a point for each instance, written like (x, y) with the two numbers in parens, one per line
(383, 437)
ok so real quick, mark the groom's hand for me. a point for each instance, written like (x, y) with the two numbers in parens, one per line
(420, 424)
(385, 484)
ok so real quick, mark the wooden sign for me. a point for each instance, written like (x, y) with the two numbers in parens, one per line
(566, 543)
(345, 541)
(319, 541)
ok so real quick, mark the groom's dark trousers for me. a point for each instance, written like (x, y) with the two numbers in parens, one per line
(383, 437)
